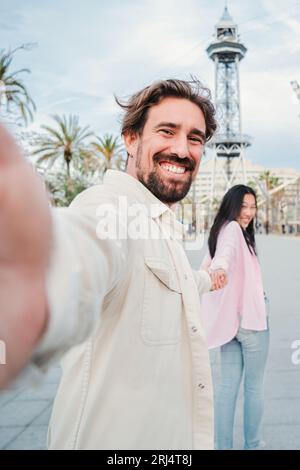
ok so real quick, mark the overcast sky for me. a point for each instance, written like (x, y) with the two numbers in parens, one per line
(85, 51)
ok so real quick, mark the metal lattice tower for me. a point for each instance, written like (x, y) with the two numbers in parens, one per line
(229, 143)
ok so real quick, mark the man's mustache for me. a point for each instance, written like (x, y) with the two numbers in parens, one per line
(173, 158)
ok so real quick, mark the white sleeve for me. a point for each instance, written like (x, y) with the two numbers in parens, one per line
(83, 269)
(203, 281)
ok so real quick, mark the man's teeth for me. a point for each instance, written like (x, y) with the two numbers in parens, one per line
(173, 168)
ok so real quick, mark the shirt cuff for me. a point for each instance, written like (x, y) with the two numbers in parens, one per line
(203, 281)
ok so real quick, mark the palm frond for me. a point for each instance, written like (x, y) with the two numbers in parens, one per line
(15, 89)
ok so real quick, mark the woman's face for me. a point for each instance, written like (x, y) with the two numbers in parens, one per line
(248, 211)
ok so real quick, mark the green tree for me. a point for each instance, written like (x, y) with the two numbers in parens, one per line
(67, 142)
(271, 181)
(63, 189)
(14, 96)
(110, 150)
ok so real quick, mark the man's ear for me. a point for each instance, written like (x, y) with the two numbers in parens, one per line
(131, 141)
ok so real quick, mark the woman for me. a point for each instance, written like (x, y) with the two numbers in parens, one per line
(235, 317)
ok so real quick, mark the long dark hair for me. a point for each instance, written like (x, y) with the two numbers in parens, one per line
(229, 210)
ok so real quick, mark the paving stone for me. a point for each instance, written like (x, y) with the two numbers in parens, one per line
(45, 392)
(44, 418)
(21, 413)
(6, 396)
(9, 434)
(32, 438)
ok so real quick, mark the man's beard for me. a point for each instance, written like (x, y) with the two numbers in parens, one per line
(167, 192)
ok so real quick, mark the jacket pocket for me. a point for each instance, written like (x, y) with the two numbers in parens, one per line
(162, 303)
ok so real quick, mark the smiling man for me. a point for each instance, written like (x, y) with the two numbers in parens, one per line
(166, 157)
(123, 312)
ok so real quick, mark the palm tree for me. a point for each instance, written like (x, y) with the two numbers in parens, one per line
(67, 142)
(62, 190)
(13, 93)
(270, 180)
(110, 149)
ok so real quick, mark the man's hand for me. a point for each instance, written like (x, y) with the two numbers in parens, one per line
(25, 235)
(218, 279)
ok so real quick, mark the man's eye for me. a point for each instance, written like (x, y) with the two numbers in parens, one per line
(197, 139)
(166, 131)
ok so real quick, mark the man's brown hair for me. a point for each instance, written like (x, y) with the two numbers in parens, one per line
(138, 105)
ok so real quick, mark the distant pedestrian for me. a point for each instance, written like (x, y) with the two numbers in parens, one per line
(267, 227)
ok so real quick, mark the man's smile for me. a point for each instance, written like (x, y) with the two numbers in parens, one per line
(174, 168)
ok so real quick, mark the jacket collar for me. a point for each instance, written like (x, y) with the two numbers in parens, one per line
(137, 193)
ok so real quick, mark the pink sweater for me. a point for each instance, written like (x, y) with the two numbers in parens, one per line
(241, 302)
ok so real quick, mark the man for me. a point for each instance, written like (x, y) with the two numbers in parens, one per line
(124, 309)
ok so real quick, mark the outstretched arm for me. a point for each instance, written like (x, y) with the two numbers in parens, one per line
(55, 268)
(25, 237)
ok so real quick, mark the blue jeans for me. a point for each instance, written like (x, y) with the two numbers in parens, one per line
(247, 353)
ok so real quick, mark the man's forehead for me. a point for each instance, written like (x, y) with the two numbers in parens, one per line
(177, 110)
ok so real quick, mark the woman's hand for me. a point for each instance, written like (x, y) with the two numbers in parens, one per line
(218, 279)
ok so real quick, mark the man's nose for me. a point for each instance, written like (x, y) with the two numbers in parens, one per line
(180, 147)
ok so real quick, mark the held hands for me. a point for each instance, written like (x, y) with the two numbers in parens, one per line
(218, 278)
(25, 238)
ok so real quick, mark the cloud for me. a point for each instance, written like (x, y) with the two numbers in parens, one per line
(10, 20)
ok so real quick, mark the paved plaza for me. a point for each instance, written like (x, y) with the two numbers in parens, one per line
(25, 412)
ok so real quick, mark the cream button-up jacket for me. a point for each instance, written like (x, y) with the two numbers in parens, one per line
(125, 312)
